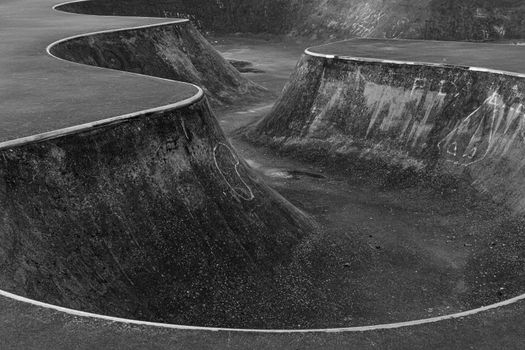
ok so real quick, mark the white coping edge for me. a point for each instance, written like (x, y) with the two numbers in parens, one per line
(97, 124)
(75, 129)
(159, 24)
(275, 331)
(309, 52)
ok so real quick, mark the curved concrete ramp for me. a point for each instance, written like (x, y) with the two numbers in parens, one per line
(421, 116)
(143, 218)
(137, 215)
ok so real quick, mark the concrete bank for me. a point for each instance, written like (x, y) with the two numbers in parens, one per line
(430, 119)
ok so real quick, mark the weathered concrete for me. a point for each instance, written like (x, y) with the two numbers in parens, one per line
(430, 119)
(315, 19)
(139, 218)
(75, 236)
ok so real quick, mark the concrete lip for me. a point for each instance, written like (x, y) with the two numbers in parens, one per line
(496, 58)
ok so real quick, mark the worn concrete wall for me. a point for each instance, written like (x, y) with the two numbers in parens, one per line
(331, 19)
(175, 51)
(429, 120)
(154, 218)
(475, 20)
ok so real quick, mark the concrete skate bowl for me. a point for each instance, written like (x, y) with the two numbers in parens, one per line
(91, 211)
(154, 217)
(450, 129)
(100, 220)
(471, 20)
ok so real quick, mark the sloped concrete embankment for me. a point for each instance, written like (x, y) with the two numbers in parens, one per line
(175, 51)
(151, 217)
(427, 121)
(316, 19)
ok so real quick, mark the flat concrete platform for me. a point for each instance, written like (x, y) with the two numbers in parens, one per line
(502, 57)
(39, 93)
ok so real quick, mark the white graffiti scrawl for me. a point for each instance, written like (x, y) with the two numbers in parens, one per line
(491, 129)
(228, 167)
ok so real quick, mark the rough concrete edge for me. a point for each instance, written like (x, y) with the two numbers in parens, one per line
(181, 104)
(385, 326)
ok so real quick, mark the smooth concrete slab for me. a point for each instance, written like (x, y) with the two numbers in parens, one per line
(39, 93)
(503, 57)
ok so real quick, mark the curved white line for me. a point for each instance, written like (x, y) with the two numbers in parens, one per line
(251, 196)
(275, 331)
(180, 104)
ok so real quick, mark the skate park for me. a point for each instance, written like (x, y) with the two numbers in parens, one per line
(157, 196)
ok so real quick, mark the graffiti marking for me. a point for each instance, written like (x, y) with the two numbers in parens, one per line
(247, 193)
